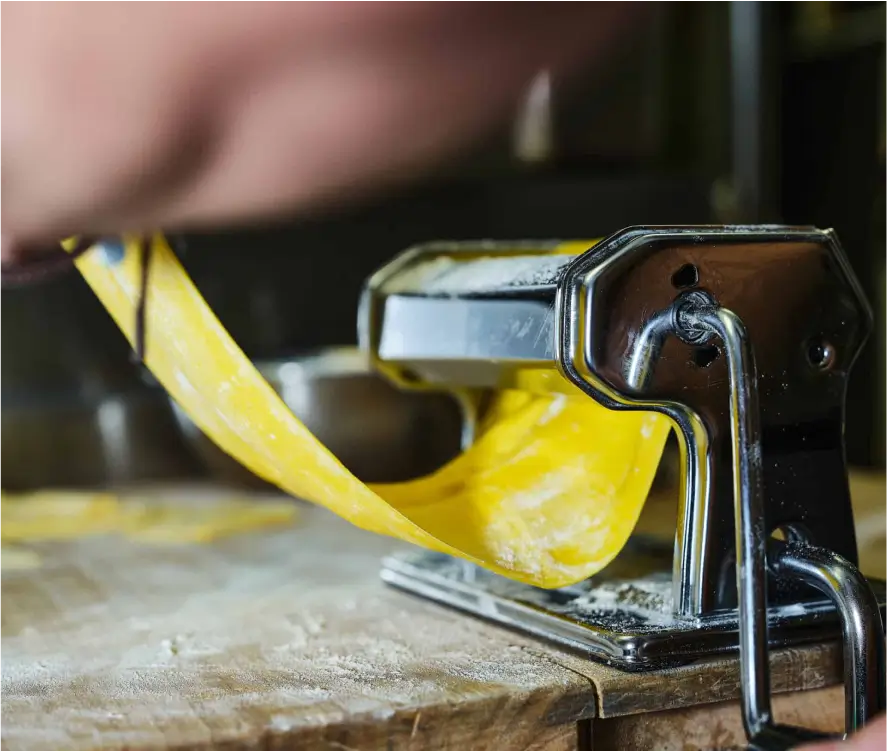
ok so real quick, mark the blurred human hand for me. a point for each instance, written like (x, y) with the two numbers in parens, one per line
(131, 116)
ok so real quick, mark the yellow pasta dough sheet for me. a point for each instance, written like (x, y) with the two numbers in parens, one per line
(548, 494)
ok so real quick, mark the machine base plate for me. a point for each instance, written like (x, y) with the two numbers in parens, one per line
(617, 617)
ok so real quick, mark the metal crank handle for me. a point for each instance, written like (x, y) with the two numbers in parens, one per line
(828, 572)
(863, 631)
(864, 677)
(864, 686)
(695, 317)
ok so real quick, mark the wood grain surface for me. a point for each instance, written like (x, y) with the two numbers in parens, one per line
(715, 726)
(255, 640)
(286, 639)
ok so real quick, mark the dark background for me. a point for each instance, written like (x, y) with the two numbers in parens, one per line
(711, 113)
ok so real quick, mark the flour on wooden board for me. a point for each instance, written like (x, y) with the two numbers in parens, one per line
(56, 515)
(286, 627)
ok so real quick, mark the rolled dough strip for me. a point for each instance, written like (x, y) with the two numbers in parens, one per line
(548, 495)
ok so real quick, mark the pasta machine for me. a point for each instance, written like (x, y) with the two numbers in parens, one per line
(744, 338)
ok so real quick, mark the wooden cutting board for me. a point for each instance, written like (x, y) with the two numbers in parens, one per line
(285, 639)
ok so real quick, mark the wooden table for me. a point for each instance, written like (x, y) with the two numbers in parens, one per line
(286, 639)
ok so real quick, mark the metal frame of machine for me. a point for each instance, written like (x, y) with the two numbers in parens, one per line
(760, 431)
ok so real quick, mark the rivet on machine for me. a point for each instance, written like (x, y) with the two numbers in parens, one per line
(638, 322)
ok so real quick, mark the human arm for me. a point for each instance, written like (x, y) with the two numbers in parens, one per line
(130, 116)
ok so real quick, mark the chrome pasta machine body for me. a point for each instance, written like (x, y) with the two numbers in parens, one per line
(744, 338)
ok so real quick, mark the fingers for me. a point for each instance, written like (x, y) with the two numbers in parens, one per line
(14, 252)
